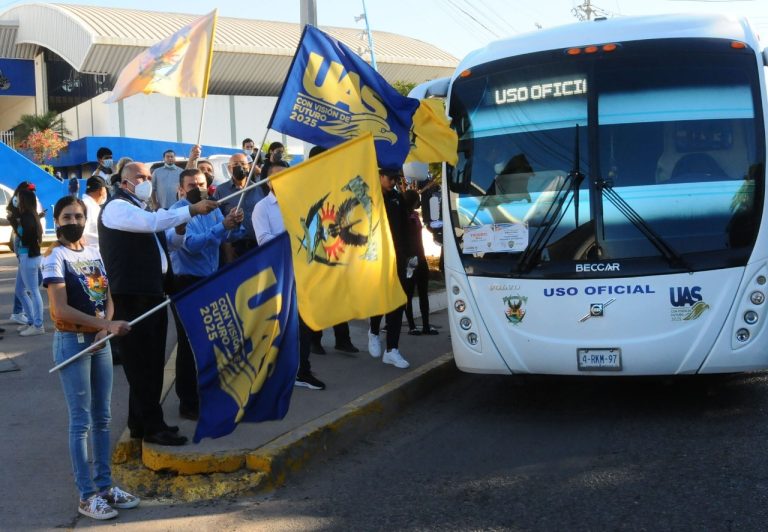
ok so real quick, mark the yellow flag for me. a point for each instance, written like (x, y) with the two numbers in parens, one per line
(432, 139)
(179, 65)
(343, 255)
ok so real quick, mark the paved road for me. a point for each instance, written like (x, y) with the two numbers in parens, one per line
(493, 453)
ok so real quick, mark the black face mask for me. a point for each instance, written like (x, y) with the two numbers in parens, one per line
(70, 232)
(239, 173)
(195, 195)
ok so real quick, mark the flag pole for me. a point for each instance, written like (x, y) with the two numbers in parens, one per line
(202, 116)
(103, 340)
(250, 176)
(242, 191)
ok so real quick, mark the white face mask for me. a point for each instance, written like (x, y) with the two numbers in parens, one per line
(143, 190)
(107, 163)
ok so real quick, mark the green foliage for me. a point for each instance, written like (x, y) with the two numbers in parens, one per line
(403, 87)
(29, 124)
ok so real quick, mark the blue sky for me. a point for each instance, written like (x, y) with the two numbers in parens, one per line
(457, 26)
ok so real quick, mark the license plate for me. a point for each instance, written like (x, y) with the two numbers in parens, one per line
(599, 359)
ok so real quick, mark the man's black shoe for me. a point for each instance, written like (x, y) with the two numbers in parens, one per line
(139, 433)
(316, 348)
(309, 381)
(189, 413)
(347, 348)
(165, 437)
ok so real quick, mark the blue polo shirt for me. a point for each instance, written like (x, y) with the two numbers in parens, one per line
(198, 252)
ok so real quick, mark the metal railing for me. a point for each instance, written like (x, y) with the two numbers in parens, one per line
(7, 138)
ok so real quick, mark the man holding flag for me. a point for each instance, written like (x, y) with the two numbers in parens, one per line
(133, 247)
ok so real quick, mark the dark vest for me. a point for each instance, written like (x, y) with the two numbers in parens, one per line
(132, 260)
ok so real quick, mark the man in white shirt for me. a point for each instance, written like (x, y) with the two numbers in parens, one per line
(95, 196)
(267, 224)
(132, 245)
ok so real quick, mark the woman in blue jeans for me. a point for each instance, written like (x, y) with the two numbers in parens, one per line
(81, 309)
(31, 235)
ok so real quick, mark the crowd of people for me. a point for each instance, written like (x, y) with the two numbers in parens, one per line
(136, 236)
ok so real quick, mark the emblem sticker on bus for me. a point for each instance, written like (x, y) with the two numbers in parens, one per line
(514, 309)
(687, 303)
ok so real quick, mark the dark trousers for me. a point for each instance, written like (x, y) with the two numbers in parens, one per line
(418, 281)
(143, 353)
(186, 371)
(393, 319)
(340, 331)
(243, 246)
(305, 339)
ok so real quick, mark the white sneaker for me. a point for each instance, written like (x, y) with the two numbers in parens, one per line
(118, 498)
(394, 357)
(19, 318)
(22, 327)
(374, 345)
(97, 508)
(32, 331)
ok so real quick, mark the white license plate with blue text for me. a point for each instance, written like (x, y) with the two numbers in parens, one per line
(601, 359)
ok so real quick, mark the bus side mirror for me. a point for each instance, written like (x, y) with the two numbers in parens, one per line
(437, 88)
(434, 208)
(765, 56)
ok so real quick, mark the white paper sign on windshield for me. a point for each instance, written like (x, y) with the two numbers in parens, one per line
(495, 238)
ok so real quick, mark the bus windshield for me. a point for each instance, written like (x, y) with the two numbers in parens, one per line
(671, 128)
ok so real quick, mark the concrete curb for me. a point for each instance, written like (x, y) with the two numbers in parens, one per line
(338, 429)
(128, 448)
(191, 477)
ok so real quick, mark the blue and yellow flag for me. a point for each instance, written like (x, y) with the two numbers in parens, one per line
(432, 139)
(242, 325)
(179, 65)
(343, 255)
(332, 95)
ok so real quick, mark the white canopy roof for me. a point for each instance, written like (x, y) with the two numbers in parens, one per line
(251, 57)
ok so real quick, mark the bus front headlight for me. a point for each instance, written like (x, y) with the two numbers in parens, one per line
(750, 317)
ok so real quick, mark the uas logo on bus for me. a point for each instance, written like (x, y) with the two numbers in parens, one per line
(515, 310)
(687, 303)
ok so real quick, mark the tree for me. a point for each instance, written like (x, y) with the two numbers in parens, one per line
(403, 87)
(30, 123)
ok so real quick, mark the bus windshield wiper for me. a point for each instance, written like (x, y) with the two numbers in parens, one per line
(673, 257)
(565, 194)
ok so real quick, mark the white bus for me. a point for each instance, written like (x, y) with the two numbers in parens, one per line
(606, 214)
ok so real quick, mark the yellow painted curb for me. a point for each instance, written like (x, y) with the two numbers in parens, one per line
(136, 478)
(157, 459)
(126, 449)
(193, 477)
